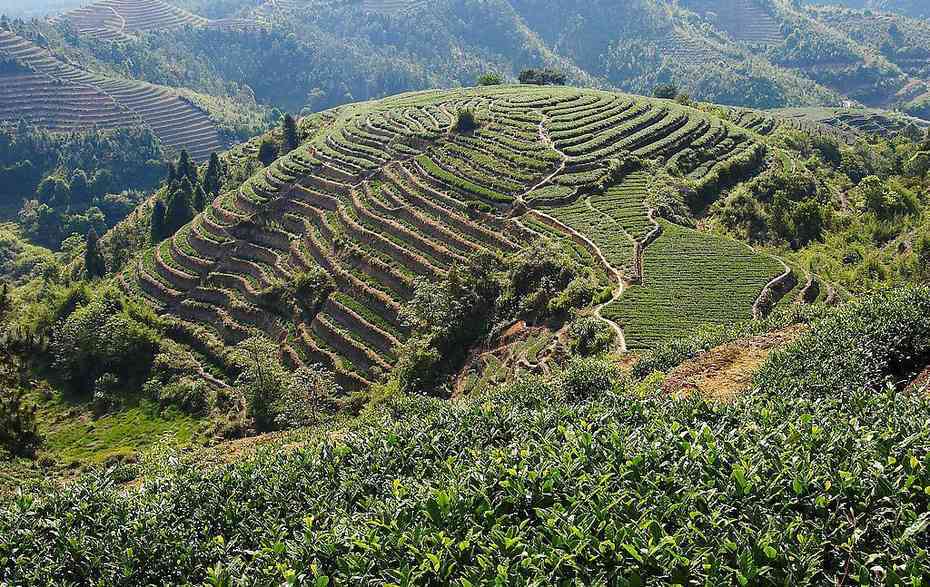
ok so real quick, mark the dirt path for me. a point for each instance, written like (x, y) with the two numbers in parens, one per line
(615, 275)
(724, 372)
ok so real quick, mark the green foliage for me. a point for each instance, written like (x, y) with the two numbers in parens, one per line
(591, 335)
(267, 152)
(64, 184)
(542, 77)
(179, 208)
(883, 340)
(490, 79)
(261, 380)
(667, 91)
(694, 491)
(213, 177)
(99, 335)
(158, 229)
(465, 121)
(19, 433)
(307, 397)
(94, 264)
(290, 133)
(695, 279)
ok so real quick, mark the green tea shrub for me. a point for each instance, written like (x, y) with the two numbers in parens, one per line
(590, 335)
(511, 486)
(867, 345)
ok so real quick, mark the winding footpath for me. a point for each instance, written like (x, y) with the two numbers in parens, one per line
(615, 275)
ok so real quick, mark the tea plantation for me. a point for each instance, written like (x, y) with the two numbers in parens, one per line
(584, 477)
(381, 194)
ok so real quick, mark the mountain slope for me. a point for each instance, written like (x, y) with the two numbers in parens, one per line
(99, 100)
(387, 192)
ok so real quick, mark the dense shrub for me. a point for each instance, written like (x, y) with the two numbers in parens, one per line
(542, 77)
(883, 340)
(465, 121)
(591, 335)
(100, 337)
(19, 432)
(521, 486)
(490, 79)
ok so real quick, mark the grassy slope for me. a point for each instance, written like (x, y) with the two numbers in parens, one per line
(691, 278)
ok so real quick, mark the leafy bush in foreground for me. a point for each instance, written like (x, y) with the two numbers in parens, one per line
(882, 340)
(521, 487)
(570, 480)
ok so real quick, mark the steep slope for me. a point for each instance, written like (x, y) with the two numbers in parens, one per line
(84, 99)
(901, 40)
(114, 19)
(385, 192)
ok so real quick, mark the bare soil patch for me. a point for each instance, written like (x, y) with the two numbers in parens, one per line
(724, 372)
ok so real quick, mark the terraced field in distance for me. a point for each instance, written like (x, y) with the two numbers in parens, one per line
(385, 192)
(61, 96)
(746, 21)
(115, 19)
(691, 278)
(849, 124)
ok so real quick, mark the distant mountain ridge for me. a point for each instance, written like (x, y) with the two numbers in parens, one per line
(315, 54)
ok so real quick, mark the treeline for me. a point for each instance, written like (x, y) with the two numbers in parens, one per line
(187, 191)
(854, 213)
(58, 184)
(186, 194)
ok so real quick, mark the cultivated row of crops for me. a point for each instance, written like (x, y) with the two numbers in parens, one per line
(60, 96)
(383, 193)
(114, 19)
(691, 278)
(574, 479)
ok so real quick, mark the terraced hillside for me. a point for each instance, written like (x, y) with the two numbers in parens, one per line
(114, 19)
(746, 21)
(62, 96)
(386, 192)
(851, 124)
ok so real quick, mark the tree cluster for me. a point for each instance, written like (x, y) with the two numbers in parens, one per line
(542, 77)
(185, 194)
(66, 184)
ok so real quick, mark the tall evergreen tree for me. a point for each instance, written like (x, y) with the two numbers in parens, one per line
(291, 135)
(200, 198)
(5, 302)
(187, 168)
(158, 222)
(213, 178)
(179, 210)
(267, 152)
(94, 263)
(172, 172)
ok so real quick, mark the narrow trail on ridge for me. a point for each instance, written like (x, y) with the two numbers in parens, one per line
(615, 275)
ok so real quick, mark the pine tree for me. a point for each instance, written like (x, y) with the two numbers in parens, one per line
(5, 302)
(200, 198)
(187, 168)
(267, 152)
(213, 178)
(158, 222)
(291, 135)
(94, 263)
(172, 172)
(179, 210)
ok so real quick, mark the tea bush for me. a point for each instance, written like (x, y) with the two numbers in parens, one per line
(570, 480)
